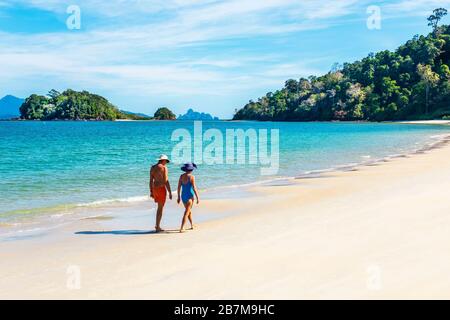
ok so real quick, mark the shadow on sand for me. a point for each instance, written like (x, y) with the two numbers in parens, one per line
(125, 232)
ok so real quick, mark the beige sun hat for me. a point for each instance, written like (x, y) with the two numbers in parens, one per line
(163, 157)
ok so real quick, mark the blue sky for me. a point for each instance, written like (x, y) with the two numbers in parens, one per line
(210, 55)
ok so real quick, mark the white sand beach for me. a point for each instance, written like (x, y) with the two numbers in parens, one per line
(380, 231)
(438, 122)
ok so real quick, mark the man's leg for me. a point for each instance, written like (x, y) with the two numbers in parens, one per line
(159, 213)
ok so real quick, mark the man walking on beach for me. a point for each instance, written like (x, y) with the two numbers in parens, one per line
(159, 186)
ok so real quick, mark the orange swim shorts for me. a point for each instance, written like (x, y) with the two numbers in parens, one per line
(160, 194)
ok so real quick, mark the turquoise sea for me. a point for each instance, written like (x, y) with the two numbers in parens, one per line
(46, 167)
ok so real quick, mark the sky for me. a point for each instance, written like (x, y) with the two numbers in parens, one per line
(212, 56)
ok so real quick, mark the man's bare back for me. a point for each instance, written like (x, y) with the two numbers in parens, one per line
(159, 174)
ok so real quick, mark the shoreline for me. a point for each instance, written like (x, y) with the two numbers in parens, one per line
(42, 216)
(309, 238)
(431, 122)
(434, 122)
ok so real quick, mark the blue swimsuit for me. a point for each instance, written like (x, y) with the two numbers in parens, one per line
(187, 191)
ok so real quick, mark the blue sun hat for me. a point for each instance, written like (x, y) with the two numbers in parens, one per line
(187, 167)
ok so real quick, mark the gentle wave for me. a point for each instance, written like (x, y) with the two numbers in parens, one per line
(103, 202)
(61, 210)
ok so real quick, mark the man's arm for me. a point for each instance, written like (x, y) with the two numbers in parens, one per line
(166, 177)
(150, 184)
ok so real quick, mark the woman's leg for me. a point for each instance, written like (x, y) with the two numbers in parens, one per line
(187, 210)
(190, 215)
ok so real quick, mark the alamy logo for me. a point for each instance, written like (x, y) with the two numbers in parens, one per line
(239, 146)
(374, 19)
(73, 22)
(374, 278)
(73, 281)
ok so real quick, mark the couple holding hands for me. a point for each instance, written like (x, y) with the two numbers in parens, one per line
(160, 186)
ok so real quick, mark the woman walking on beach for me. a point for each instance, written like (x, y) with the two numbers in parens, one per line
(186, 191)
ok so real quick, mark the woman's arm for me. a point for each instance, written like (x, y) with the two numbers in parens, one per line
(179, 190)
(194, 185)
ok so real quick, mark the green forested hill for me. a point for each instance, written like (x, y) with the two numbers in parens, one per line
(410, 83)
(72, 105)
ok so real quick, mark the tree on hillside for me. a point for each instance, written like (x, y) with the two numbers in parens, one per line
(53, 94)
(433, 20)
(429, 79)
(34, 108)
(335, 67)
(164, 114)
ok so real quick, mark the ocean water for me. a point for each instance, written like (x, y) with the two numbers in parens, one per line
(47, 167)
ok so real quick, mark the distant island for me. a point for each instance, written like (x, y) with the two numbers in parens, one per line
(164, 114)
(9, 107)
(74, 105)
(193, 115)
(77, 106)
(71, 105)
(411, 83)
